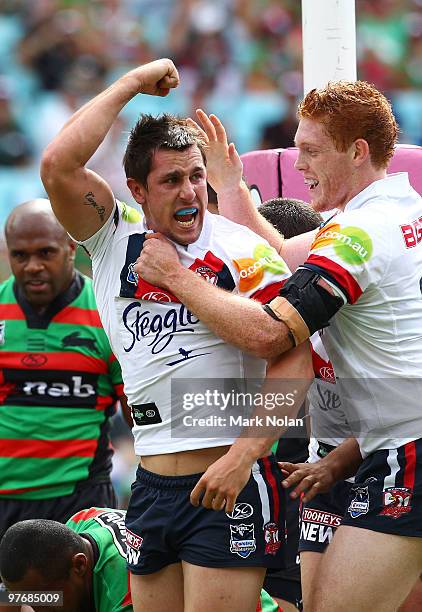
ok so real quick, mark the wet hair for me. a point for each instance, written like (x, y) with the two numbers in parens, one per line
(289, 216)
(352, 110)
(151, 134)
(45, 546)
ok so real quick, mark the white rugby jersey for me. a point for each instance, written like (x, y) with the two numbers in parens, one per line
(328, 420)
(154, 336)
(371, 254)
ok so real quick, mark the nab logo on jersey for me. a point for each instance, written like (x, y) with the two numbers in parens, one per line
(59, 389)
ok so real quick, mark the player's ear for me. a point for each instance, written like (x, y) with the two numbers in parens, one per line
(137, 190)
(80, 564)
(72, 249)
(360, 151)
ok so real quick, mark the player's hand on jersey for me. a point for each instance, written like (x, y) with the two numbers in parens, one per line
(155, 78)
(224, 166)
(158, 261)
(221, 484)
(307, 478)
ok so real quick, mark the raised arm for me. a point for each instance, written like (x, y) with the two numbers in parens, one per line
(81, 199)
(225, 175)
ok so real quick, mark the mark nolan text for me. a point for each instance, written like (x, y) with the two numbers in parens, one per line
(269, 420)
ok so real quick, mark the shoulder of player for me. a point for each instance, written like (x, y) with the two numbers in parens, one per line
(239, 236)
(376, 219)
(6, 284)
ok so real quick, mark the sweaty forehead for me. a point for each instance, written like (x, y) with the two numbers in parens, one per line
(171, 160)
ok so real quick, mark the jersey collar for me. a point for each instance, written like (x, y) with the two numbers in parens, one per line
(393, 185)
(42, 321)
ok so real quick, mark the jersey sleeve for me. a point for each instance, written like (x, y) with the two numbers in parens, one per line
(259, 270)
(351, 253)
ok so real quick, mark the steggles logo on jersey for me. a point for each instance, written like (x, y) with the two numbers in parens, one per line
(396, 501)
(2, 332)
(352, 244)
(186, 355)
(160, 328)
(329, 399)
(251, 270)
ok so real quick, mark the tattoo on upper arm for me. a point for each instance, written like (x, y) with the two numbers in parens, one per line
(90, 201)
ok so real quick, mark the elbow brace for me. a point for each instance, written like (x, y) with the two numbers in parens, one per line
(303, 305)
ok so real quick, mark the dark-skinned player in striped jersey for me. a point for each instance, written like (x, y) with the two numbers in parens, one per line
(59, 381)
(90, 562)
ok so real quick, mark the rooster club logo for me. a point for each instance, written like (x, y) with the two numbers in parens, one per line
(396, 501)
(208, 274)
(34, 360)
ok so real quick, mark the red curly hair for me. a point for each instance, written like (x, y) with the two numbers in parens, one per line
(352, 110)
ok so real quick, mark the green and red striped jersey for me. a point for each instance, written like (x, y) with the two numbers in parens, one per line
(105, 530)
(59, 382)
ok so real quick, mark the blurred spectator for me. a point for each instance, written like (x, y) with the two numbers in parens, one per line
(241, 59)
(15, 147)
(281, 134)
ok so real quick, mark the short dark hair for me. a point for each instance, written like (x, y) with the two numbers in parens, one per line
(39, 544)
(153, 133)
(289, 216)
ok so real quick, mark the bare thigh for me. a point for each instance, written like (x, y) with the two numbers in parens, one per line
(367, 571)
(158, 592)
(233, 589)
(309, 563)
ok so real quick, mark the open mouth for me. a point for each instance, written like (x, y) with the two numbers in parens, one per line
(311, 183)
(186, 216)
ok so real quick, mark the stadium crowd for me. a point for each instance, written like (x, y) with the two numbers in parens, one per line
(230, 56)
(241, 59)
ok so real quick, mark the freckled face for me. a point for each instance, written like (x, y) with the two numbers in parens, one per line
(327, 171)
(176, 199)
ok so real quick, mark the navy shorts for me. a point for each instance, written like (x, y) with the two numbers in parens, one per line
(86, 495)
(163, 527)
(387, 494)
(321, 516)
(284, 583)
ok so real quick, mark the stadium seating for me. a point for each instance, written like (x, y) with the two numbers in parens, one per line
(272, 173)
